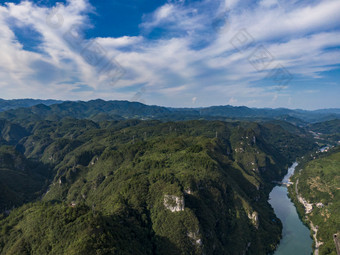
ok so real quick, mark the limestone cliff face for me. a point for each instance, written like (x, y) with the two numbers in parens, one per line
(254, 217)
(174, 203)
(195, 236)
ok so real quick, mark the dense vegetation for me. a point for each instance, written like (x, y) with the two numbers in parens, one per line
(319, 183)
(21, 180)
(114, 184)
(6, 105)
(99, 110)
(123, 178)
(326, 127)
(327, 131)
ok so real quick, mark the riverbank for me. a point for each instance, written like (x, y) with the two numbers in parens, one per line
(316, 195)
(296, 237)
(308, 208)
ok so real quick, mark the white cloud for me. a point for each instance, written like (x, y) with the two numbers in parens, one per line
(114, 43)
(268, 3)
(164, 12)
(232, 101)
(192, 59)
(194, 99)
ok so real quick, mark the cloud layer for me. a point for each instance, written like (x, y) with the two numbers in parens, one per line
(257, 53)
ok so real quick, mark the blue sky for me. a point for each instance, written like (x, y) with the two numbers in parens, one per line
(179, 53)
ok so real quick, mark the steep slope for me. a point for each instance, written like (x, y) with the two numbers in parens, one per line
(318, 183)
(51, 228)
(11, 133)
(327, 127)
(21, 180)
(172, 188)
(327, 131)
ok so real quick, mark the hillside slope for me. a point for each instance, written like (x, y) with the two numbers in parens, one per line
(21, 180)
(167, 188)
(6, 105)
(100, 110)
(318, 182)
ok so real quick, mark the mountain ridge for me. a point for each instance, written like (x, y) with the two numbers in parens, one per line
(184, 187)
(117, 110)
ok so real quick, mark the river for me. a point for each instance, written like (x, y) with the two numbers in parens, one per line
(295, 235)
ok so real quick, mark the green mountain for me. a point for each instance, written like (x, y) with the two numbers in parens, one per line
(6, 105)
(326, 127)
(318, 182)
(21, 180)
(327, 132)
(99, 110)
(147, 187)
(95, 110)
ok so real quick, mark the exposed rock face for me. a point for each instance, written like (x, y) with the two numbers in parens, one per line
(94, 161)
(195, 237)
(188, 191)
(174, 203)
(308, 206)
(254, 217)
(319, 205)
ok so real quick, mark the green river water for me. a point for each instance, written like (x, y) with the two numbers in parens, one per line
(296, 238)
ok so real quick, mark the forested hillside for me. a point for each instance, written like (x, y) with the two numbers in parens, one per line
(326, 127)
(21, 180)
(147, 187)
(327, 131)
(100, 110)
(6, 105)
(318, 182)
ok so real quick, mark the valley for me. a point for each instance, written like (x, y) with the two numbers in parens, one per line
(166, 187)
(295, 235)
(169, 127)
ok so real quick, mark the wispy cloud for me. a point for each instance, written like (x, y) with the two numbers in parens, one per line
(184, 51)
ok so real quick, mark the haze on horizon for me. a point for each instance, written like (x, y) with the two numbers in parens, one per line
(177, 53)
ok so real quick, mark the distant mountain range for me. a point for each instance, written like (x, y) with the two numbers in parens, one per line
(98, 110)
(17, 103)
